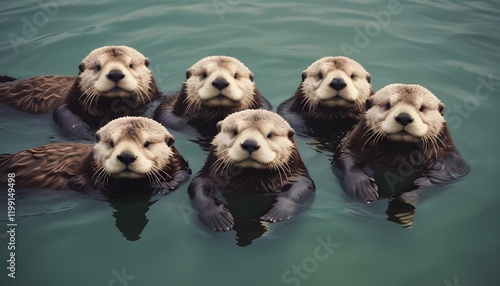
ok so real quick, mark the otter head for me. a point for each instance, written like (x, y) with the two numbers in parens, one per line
(335, 82)
(132, 147)
(408, 113)
(219, 81)
(258, 139)
(114, 71)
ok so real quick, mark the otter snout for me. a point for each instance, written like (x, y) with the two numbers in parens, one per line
(126, 157)
(404, 118)
(337, 84)
(250, 145)
(220, 83)
(115, 75)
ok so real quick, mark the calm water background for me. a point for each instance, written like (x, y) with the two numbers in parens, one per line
(64, 238)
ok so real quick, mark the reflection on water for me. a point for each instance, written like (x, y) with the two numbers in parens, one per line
(130, 214)
(246, 210)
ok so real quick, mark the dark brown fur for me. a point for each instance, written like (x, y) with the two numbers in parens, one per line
(71, 166)
(390, 153)
(292, 190)
(35, 95)
(433, 165)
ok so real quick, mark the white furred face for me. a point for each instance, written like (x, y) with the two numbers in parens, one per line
(257, 139)
(115, 71)
(133, 147)
(219, 81)
(335, 81)
(407, 113)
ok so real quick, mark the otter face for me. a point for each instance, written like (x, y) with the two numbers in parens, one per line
(257, 139)
(219, 81)
(335, 81)
(407, 113)
(115, 71)
(132, 147)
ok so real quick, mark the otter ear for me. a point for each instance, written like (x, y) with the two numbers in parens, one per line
(441, 107)
(188, 74)
(304, 75)
(219, 126)
(170, 141)
(146, 62)
(369, 103)
(251, 76)
(369, 78)
(291, 132)
(81, 67)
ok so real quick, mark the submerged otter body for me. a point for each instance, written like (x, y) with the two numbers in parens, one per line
(113, 81)
(402, 144)
(254, 153)
(215, 87)
(133, 155)
(330, 99)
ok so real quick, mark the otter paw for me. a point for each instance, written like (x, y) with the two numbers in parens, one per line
(81, 130)
(217, 217)
(361, 186)
(280, 211)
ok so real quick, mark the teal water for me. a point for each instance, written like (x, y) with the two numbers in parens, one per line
(447, 46)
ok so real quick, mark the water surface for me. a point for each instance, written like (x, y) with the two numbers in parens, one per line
(447, 46)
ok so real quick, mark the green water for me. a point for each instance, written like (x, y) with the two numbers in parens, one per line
(449, 47)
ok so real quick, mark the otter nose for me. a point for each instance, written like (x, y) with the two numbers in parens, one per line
(404, 118)
(126, 157)
(250, 145)
(337, 84)
(115, 75)
(220, 83)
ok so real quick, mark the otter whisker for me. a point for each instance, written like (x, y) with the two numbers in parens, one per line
(160, 171)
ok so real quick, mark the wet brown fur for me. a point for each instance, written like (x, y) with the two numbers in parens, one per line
(359, 144)
(66, 166)
(35, 95)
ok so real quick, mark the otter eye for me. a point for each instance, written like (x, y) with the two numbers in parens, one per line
(235, 132)
(97, 138)
(270, 135)
(422, 108)
(146, 145)
(353, 76)
(388, 106)
(236, 76)
(131, 66)
(98, 67)
(204, 75)
(111, 144)
(251, 77)
(320, 75)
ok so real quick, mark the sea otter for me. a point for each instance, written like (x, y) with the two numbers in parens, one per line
(215, 87)
(403, 143)
(113, 81)
(254, 153)
(329, 100)
(132, 155)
